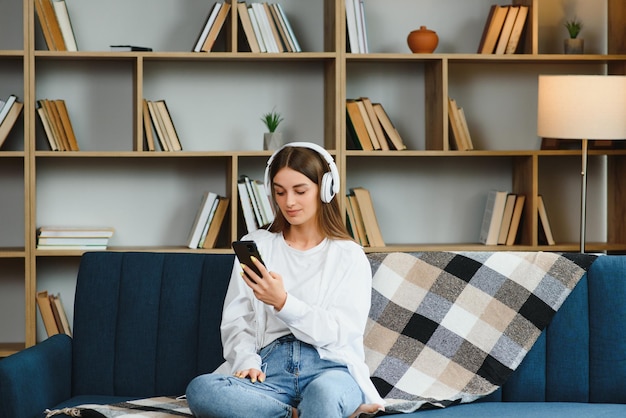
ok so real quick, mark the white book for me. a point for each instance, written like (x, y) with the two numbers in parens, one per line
(359, 25)
(60, 10)
(353, 39)
(69, 231)
(246, 207)
(492, 217)
(363, 33)
(257, 29)
(264, 25)
(201, 219)
(266, 204)
(256, 206)
(52, 241)
(6, 107)
(207, 27)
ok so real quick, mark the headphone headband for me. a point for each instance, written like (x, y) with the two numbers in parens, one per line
(330, 181)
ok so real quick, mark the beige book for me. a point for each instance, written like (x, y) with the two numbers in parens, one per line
(516, 219)
(366, 205)
(389, 128)
(45, 309)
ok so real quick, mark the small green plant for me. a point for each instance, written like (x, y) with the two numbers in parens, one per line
(573, 27)
(272, 120)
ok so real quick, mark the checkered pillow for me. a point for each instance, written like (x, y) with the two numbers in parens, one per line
(448, 328)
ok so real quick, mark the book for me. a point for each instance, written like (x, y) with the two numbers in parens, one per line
(356, 125)
(207, 26)
(378, 129)
(492, 29)
(246, 25)
(9, 120)
(246, 206)
(50, 25)
(63, 17)
(257, 29)
(368, 124)
(6, 107)
(516, 219)
(361, 26)
(391, 132)
(507, 29)
(366, 207)
(168, 124)
(202, 216)
(216, 222)
(492, 217)
(264, 28)
(507, 217)
(63, 325)
(353, 40)
(281, 28)
(45, 309)
(517, 31)
(292, 35)
(264, 200)
(216, 27)
(74, 231)
(159, 127)
(358, 225)
(51, 241)
(56, 126)
(544, 222)
(456, 125)
(130, 48)
(467, 137)
(255, 200)
(71, 247)
(273, 28)
(147, 126)
(45, 122)
(66, 124)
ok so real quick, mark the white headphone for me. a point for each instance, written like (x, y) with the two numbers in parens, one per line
(330, 180)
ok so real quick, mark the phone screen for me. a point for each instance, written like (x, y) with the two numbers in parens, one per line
(246, 249)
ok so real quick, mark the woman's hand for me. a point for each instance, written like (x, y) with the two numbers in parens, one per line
(367, 408)
(252, 374)
(268, 288)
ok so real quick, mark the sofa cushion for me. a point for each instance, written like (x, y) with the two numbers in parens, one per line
(450, 328)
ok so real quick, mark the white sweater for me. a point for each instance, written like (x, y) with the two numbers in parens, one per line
(328, 300)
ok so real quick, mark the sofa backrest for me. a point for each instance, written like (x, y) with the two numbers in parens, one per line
(146, 323)
(581, 356)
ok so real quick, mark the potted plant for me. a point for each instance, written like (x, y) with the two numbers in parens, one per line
(573, 44)
(272, 140)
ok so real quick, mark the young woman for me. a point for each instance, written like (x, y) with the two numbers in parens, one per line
(293, 337)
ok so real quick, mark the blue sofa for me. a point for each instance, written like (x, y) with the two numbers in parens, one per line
(146, 323)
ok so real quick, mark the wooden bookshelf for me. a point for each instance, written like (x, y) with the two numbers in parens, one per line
(427, 197)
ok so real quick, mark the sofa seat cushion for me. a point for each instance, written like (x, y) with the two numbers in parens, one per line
(448, 328)
(524, 410)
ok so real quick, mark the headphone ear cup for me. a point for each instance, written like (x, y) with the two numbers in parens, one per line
(326, 188)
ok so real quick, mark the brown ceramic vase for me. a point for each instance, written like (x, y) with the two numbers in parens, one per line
(423, 40)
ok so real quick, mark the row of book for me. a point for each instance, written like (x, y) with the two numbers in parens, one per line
(55, 24)
(53, 314)
(370, 128)
(158, 123)
(10, 110)
(460, 138)
(255, 203)
(73, 238)
(267, 28)
(503, 216)
(356, 28)
(57, 125)
(361, 218)
(208, 221)
(503, 29)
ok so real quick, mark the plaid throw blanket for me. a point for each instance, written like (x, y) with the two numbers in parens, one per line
(159, 407)
(447, 328)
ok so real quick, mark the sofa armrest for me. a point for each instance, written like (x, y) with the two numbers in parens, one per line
(36, 378)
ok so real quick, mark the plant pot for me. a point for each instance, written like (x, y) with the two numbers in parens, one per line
(272, 140)
(574, 46)
(422, 40)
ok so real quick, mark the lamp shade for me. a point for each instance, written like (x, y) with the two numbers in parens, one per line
(582, 107)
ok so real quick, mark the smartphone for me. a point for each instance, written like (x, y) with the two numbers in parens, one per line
(246, 249)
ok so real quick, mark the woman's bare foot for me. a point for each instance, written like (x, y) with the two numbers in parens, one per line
(367, 408)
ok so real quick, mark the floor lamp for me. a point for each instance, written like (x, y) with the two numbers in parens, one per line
(582, 107)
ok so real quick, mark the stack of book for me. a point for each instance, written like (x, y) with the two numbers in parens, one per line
(56, 25)
(10, 110)
(266, 28)
(370, 128)
(212, 27)
(355, 22)
(57, 125)
(255, 203)
(73, 238)
(362, 222)
(53, 314)
(502, 217)
(208, 222)
(157, 122)
(460, 138)
(503, 29)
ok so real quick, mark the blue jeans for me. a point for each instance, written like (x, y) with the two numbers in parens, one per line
(296, 377)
